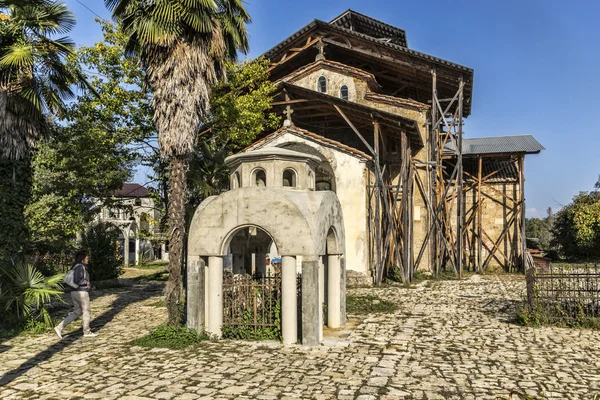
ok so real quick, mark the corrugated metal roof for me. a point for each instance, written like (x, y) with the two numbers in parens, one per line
(499, 144)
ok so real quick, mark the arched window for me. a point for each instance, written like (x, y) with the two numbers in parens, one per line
(344, 92)
(137, 202)
(311, 181)
(235, 180)
(260, 177)
(322, 84)
(289, 178)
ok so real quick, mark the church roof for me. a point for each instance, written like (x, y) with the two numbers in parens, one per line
(304, 134)
(322, 24)
(358, 40)
(267, 153)
(358, 22)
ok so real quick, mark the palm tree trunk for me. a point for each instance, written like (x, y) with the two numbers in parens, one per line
(177, 197)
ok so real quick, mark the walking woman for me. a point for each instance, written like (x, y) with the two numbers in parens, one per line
(80, 297)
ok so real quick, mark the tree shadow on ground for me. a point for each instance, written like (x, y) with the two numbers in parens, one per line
(123, 299)
(501, 309)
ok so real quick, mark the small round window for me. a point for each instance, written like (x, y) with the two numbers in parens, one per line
(344, 92)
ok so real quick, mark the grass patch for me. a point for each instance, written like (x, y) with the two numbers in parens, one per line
(362, 305)
(171, 337)
(160, 276)
(537, 316)
(159, 264)
(158, 304)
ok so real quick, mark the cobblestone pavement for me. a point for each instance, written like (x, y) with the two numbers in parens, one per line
(448, 340)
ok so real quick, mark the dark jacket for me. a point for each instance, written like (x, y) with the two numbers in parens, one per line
(81, 277)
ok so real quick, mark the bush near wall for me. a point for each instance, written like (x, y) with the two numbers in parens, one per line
(100, 240)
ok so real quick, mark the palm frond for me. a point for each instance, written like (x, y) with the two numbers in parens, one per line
(18, 56)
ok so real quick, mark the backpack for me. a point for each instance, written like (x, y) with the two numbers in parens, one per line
(69, 278)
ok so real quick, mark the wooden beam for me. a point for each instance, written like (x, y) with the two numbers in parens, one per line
(281, 103)
(285, 58)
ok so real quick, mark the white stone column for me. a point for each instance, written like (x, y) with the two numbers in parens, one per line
(289, 302)
(126, 249)
(206, 295)
(195, 295)
(321, 296)
(215, 295)
(137, 251)
(334, 314)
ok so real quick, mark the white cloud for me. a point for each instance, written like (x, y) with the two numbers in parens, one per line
(532, 212)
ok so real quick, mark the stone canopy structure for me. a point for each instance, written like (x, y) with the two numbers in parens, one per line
(272, 200)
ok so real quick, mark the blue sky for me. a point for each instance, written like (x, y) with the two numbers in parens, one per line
(537, 70)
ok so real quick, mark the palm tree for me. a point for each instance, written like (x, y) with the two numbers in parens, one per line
(34, 77)
(183, 46)
(25, 292)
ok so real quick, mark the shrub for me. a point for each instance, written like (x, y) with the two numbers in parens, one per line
(100, 241)
(25, 294)
(171, 337)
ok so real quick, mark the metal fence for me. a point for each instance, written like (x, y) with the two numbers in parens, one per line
(251, 301)
(564, 293)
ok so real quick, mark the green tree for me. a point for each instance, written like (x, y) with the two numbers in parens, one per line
(577, 226)
(100, 242)
(35, 81)
(34, 78)
(94, 148)
(541, 229)
(182, 45)
(239, 112)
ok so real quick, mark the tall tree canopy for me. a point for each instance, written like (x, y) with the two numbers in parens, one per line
(92, 151)
(34, 78)
(183, 46)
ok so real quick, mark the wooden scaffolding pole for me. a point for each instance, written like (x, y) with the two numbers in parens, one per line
(479, 216)
(523, 209)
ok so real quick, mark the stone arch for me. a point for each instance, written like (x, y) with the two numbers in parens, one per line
(324, 172)
(332, 242)
(231, 235)
(249, 246)
(219, 216)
